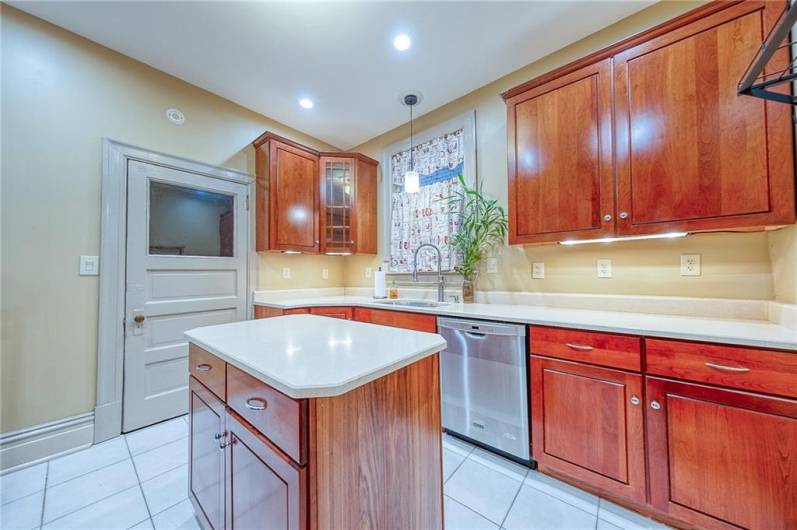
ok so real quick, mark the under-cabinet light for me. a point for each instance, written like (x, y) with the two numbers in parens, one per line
(291, 252)
(668, 235)
(338, 253)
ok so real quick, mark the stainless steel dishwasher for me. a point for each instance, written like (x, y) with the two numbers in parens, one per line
(484, 384)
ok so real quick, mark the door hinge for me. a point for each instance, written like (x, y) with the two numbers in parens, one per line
(247, 202)
(124, 325)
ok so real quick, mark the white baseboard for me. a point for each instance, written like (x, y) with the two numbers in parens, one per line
(35, 444)
(107, 421)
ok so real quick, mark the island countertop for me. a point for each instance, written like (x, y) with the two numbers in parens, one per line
(309, 356)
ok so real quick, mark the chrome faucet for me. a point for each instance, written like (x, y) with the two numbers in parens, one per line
(441, 284)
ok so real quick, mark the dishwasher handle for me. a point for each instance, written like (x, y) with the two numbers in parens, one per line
(478, 329)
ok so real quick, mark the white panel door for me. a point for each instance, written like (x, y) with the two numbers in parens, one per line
(186, 267)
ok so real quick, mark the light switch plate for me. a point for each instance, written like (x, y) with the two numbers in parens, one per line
(89, 265)
(369, 272)
(324, 274)
(538, 270)
(286, 273)
(604, 268)
(492, 265)
(690, 264)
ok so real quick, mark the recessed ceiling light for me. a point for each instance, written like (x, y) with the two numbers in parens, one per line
(306, 103)
(402, 42)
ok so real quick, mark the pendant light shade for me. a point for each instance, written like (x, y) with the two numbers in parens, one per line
(412, 180)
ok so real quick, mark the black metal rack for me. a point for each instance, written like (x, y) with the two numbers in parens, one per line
(759, 84)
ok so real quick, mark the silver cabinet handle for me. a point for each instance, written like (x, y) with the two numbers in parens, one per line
(723, 368)
(655, 405)
(203, 367)
(623, 215)
(634, 400)
(256, 404)
(579, 347)
(219, 435)
(607, 217)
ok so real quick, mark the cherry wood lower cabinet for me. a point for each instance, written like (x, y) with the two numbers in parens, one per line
(345, 313)
(268, 312)
(588, 423)
(722, 459)
(368, 459)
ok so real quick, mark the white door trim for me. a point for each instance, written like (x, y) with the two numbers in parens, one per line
(110, 340)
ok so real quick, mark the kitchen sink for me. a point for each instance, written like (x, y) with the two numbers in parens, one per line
(412, 303)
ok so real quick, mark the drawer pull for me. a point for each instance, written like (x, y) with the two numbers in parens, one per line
(723, 368)
(256, 404)
(203, 367)
(579, 347)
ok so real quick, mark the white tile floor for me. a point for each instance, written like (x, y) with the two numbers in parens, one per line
(139, 481)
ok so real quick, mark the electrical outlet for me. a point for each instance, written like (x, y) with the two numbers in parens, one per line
(538, 270)
(690, 264)
(604, 268)
(324, 274)
(368, 272)
(492, 265)
(286, 273)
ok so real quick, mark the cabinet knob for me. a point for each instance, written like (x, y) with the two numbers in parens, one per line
(623, 215)
(219, 435)
(655, 405)
(607, 217)
(635, 400)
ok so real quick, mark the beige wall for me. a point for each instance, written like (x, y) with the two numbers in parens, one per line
(61, 94)
(734, 265)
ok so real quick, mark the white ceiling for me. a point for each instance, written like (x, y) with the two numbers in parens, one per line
(267, 55)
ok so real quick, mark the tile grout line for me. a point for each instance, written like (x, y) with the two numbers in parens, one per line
(514, 500)
(472, 510)
(89, 505)
(44, 494)
(140, 487)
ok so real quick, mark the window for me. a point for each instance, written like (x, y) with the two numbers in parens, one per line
(440, 155)
(190, 222)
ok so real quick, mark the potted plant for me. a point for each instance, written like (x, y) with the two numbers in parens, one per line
(483, 225)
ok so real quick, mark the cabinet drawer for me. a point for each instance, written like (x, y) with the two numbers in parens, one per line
(768, 371)
(344, 313)
(281, 419)
(604, 349)
(207, 368)
(397, 319)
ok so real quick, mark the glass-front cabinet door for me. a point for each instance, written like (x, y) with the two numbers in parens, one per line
(337, 205)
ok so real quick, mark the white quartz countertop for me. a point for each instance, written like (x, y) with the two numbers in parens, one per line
(758, 333)
(308, 356)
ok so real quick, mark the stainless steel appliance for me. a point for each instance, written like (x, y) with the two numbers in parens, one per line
(484, 384)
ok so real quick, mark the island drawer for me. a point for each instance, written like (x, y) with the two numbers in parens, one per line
(282, 419)
(207, 369)
(397, 319)
(767, 371)
(603, 349)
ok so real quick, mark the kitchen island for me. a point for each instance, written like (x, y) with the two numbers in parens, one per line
(308, 422)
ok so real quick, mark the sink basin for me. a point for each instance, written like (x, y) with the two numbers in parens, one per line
(412, 303)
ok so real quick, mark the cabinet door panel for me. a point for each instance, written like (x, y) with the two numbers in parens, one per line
(691, 153)
(265, 490)
(585, 424)
(293, 198)
(206, 469)
(344, 313)
(560, 158)
(720, 457)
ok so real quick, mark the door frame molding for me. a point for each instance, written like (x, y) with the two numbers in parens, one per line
(113, 259)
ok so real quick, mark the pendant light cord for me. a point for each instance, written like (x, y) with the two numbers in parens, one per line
(412, 165)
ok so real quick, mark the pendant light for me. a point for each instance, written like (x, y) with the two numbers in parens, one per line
(412, 180)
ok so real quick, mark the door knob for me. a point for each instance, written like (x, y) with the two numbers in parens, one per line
(139, 318)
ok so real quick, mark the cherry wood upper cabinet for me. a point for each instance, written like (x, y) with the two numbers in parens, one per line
(287, 196)
(691, 153)
(560, 158)
(722, 459)
(313, 202)
(587, 423)
(348, 204)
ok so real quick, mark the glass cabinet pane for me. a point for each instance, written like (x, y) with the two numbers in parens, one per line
(190, 222)
(339, 189)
